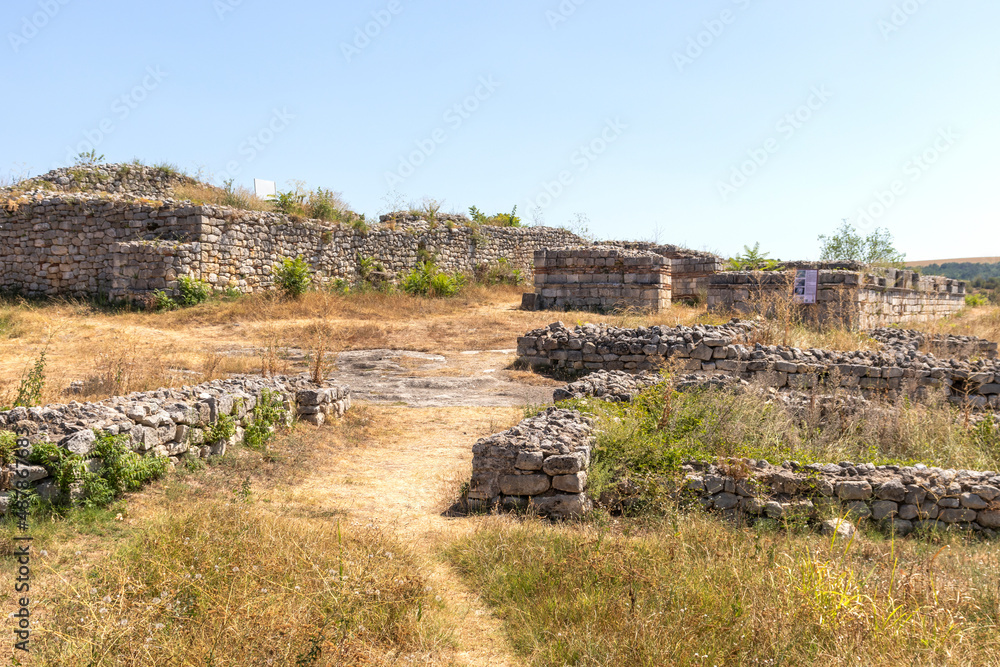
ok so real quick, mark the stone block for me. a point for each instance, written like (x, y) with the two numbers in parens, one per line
(524, 485)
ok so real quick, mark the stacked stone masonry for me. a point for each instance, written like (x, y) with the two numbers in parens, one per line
(599, 278)
(174, 423)
(541, 462)
(857, 299)
(87, 245)
(726, 350)
(524, 468)
(690, 270)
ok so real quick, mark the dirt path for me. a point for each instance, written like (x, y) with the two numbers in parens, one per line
(400, 477)
(401, 480)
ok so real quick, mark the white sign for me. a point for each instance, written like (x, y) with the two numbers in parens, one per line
(806, 281)
(264, 189)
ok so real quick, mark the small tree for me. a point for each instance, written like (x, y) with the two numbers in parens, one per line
(847, 245)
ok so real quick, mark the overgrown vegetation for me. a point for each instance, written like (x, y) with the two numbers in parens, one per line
(223, 583)
(121, 470)
(752, 259)
(426, 279)
(29, 390)
(690, 590)
(641, 445)
(847, 245)
(268, 415)
(496, 220)
(293, 276)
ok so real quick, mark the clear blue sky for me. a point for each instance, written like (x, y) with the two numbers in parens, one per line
(713, 124)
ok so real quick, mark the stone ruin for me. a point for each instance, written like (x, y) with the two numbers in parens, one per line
(174, 423)
(117, 231)
(509, 471)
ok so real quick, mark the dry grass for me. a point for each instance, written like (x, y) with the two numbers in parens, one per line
(108, 351)
(691, 590)
(237, 197)
(983, 322)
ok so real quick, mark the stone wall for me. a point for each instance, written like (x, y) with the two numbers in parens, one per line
(727, 349)
(123, 248)
(131, 179)
(529, 466)
(857, 299)
(541, 462)
(176, 423)
(690, 270)
(599, 278)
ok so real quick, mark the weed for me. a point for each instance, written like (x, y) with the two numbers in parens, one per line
(192, 291)
(29, 392)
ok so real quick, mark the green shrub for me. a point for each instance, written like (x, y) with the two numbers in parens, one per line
(426, 279)
(498, 220)
(8, 448)
(268, 414)
(122, 470)
(222, 430)
(752, 259)
(163, 301)
(293, 276)
(192, 291)
(289, 202)
(976, 299)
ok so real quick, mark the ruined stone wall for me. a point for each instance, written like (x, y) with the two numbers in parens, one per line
(857, 299)
(690, 270)
(727, 349)
(599, 278)
(541, 465)
(175, 423)
(132, 179)
(123, 248)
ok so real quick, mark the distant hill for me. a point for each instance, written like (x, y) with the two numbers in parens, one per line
(963, 260)
(979, 274)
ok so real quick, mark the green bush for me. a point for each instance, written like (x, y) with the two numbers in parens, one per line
(752, 259)
(501, 273)
(498, 220)
(222, 430)
(976, 299)
(192, 291)
(163, 301)
(293, 276)
(426, 279)
(267, 415)
(122, 470)
(289, 202)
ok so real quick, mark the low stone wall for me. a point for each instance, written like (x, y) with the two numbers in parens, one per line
(599, 278)
(174, 423)
(725, 350)
(854, 298)
(541, 462)
(87, 245)
(524, 468)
